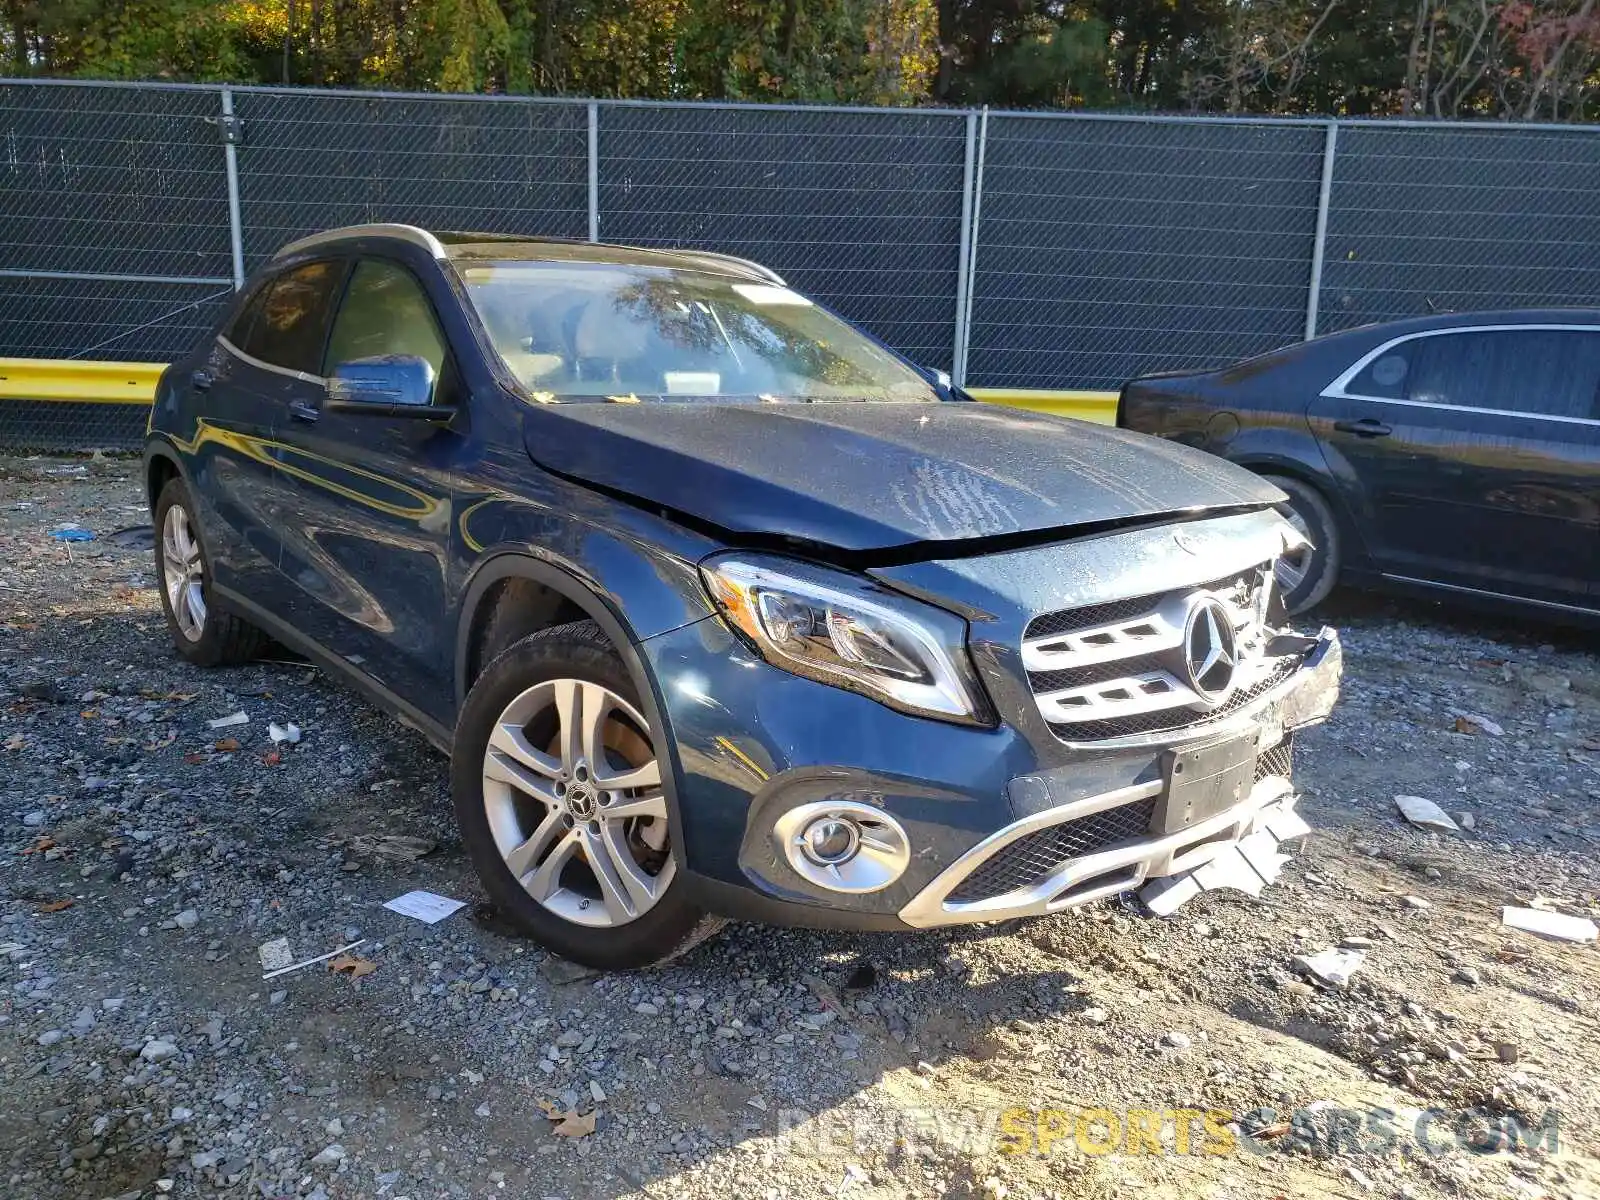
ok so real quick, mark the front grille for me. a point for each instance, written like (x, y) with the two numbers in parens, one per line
(1164, 720)
(1036, 855)
(1277, 761)
(1118, 669)
(1071, 620)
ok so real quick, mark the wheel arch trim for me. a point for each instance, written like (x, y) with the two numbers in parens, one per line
(512, 564)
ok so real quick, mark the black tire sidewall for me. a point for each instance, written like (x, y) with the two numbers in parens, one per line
(571, 652)
(1309, 504)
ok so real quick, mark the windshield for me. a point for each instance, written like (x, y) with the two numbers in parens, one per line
(640, 333)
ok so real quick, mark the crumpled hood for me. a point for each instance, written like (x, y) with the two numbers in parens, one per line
(866, 476)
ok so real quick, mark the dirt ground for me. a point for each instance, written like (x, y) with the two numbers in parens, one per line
(1099, 1053)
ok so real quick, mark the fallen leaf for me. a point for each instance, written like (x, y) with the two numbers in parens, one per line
(353, 965)
(227, 745)
(55, 905)
(1272, 1131)
(550, 1108)
(194, 758)
(576, 1125)
(272, 758)
(89, 714)
(39, 847)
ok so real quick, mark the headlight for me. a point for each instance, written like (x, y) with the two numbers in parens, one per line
(845, 630)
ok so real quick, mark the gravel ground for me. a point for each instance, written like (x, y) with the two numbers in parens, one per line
(148, 857)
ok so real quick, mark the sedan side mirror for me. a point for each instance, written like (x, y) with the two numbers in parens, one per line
(396, 385)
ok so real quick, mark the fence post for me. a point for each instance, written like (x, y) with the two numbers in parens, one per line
(230, 152)
(970, 242)
(1319, 240)
(958, 356)
(594, 171)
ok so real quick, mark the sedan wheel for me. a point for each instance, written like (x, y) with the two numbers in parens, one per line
(572, 795)
(183, 573)
(1293, 566)
(1306, 576)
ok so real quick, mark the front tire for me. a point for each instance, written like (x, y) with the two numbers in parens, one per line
(1307, 577)
(202, 631)
(558, 790)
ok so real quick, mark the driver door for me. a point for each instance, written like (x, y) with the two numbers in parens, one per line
(365, 556)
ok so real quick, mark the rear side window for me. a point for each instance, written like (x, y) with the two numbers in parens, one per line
(292, 322)
(1552, 372)
(385, 311)
(1385, 376)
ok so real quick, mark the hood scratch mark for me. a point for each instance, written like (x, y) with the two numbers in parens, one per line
(951, 501)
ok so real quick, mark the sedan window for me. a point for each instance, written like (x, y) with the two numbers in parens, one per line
(1552, 372)
(293, 319)
(1385, 376)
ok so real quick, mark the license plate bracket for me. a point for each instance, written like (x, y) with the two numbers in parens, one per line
(1203, 781)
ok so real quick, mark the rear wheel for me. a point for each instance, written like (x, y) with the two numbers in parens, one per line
(202, 631)
(1307, 575)
(558, 789)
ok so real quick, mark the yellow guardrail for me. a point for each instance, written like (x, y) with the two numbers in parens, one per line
(135, 383)
(1085, 406)
(79, 382)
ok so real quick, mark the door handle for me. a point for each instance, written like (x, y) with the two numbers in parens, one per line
(202, 380)
(300, 410)
(1366, 427)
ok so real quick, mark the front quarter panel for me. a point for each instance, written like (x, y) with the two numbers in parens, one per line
(641, 566)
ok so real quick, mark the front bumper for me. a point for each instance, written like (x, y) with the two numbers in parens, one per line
(752, 742)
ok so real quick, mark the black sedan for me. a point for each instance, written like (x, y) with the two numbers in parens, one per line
(1454, 455)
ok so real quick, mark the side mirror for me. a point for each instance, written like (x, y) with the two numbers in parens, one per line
(396, 385)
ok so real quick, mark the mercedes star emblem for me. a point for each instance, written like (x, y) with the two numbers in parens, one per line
(1210, 654)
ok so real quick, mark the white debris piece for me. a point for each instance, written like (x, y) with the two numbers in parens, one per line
(1476, 723)
(239, 718)
(424, 906)
(1426, 813)
(1333, 967)
(276, 954)
(284, 733)
(1550, 924)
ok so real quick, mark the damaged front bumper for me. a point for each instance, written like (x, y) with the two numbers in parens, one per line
(1179, 843)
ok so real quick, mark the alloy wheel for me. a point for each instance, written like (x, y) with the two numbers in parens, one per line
(572, 793)
(183, 573)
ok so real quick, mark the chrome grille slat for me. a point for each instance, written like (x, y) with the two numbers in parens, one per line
(1119, 663)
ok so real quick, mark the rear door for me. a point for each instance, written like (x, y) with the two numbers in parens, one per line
(253, 366)
(1472, 457)
(365, 548)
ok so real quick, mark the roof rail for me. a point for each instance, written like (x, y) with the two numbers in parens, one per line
(406, 233)
(764, 272)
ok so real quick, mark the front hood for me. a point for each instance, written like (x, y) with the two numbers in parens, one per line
(869, 476)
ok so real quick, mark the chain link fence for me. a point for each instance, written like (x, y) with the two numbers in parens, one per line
(1016, 250)
(1456, 218)
(1108, 248)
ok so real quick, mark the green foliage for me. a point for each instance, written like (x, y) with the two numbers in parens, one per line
(1506, 58)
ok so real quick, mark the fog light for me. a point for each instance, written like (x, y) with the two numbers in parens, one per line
(843, 845)
(830, 840)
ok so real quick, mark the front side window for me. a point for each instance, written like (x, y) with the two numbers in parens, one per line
(238, 329)
(292, 322)
(385, 312)
(655, 334)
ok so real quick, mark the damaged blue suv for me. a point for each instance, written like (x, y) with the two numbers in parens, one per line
(720, 607)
